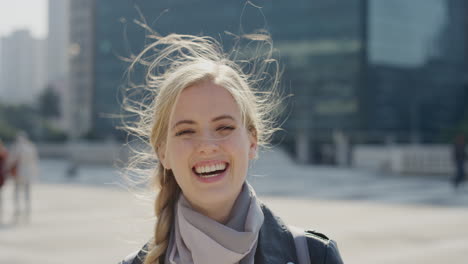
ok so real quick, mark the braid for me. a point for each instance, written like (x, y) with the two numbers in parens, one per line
(164, 210)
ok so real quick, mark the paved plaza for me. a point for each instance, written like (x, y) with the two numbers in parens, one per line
(376, 218)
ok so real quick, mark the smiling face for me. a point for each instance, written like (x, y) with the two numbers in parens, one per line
(208, 147)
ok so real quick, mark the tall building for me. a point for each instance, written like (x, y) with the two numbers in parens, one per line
(22, 73)
(465, 21)
(304, 49)
(102, 32)
(415, 70)
(368, 69)
(57, 42)
(57, 57)
(81, 65)
(321, 47)
(39, 74)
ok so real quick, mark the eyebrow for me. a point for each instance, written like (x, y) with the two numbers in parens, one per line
(191, 122)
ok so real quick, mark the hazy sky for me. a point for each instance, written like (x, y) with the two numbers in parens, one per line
(21, 14)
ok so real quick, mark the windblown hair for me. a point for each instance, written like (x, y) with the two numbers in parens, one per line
(173, 62)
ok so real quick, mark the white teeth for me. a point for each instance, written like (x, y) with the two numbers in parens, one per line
(209, 175)
(206, 169)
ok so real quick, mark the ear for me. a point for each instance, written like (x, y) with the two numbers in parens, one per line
(161, 153)
(253, 144)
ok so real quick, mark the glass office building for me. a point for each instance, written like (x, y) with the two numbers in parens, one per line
(116, 36)
(416, 89)
(321, 46)
(81, 66)
(319, 42)
(368, 69)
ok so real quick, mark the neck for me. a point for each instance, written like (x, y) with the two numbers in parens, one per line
(219, 211)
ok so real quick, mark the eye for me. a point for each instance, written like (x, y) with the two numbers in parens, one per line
(225, 129)
(184, 132)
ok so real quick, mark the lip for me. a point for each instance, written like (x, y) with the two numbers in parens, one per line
(211, 179)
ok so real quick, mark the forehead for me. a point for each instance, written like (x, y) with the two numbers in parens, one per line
(205, 100)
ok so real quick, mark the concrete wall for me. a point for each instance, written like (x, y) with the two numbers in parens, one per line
(85, 152)
(405, 159)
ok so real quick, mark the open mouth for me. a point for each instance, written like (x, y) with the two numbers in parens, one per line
(209, 171)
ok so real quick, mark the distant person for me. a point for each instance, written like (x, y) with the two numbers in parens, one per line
(459, 156)
(72, 170)
(204, 125)
(3, 174)
(23, 163)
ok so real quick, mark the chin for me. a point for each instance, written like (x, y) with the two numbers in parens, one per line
(217, 196)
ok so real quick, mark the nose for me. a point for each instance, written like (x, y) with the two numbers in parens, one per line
(207, 146)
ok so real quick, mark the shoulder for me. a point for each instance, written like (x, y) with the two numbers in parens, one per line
(277, 238)
(322, 249)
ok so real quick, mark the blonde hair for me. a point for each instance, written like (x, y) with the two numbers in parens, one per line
(175, 62)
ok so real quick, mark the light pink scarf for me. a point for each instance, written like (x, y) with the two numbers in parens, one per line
(198, 239)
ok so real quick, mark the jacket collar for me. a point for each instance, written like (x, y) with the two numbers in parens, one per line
(275, 241)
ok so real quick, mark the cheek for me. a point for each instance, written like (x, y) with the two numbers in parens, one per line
(239, 147)
(179, 152)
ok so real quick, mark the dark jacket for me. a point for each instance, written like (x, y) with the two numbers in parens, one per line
(276, 245)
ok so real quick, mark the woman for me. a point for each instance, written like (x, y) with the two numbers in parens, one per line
(205, 123)
(23, 166)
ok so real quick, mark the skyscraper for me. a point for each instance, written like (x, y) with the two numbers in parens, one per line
(57, 42)
(321, 45)
(22, 70)
(103, 32)
(415, 68)
(365, 68)
(81, 63)
(57, 57)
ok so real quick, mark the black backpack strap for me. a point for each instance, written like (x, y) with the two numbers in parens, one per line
(322, 250)
(300, 241)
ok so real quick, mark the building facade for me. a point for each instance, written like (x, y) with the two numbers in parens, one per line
(81, 65)
(57, 41)
(415, 89)
(22, 74)
(116, 37)
(321, 46)
(366, 70)
(57, 58)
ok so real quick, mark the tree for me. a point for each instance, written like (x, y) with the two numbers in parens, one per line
(49, 103)
(18, 117)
